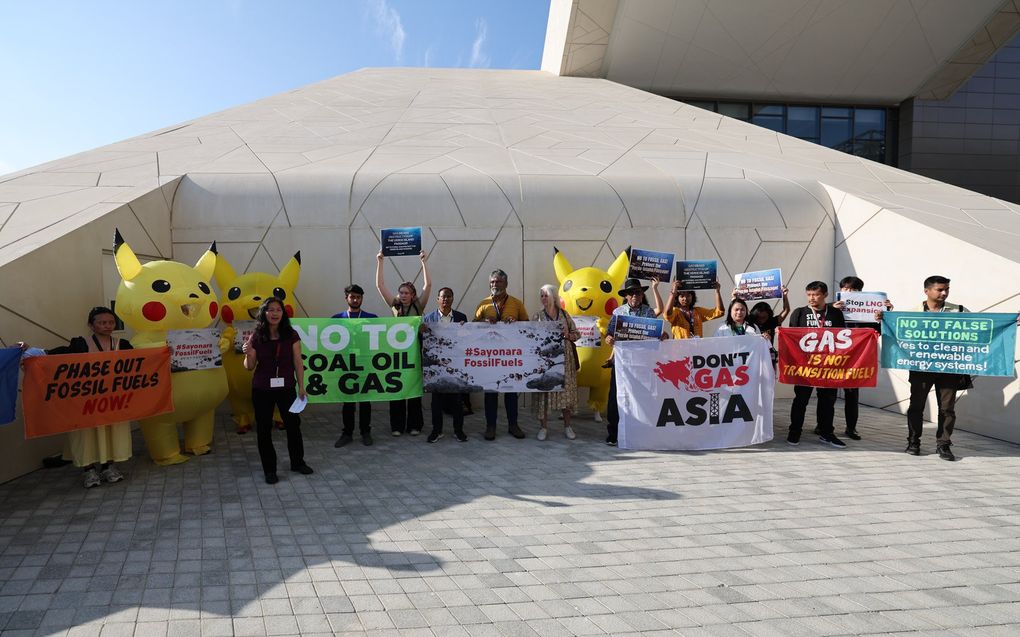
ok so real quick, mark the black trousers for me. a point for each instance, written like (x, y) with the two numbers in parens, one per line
(492, 409)
(612, 409)
(946, 386)
(405, 415)
(264, 400)
(447, 402)
(851, 406)
(824, 414)
(364, 417)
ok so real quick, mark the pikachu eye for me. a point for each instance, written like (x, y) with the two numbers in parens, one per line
(233, 293)
(606, 286)
(161, 286)
(279, 293)
(567, 285)
(202, 286)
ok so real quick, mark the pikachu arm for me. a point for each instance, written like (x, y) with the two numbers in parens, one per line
(227, 339)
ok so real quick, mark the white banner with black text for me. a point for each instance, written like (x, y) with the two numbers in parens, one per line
(690, 394)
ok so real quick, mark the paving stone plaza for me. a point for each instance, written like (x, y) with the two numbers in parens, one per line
(518, 537)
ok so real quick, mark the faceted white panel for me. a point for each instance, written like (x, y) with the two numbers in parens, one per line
(212, 200)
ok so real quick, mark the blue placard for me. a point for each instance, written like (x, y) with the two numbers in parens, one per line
(949, 342)
(624, 327)
(646, 264)
(10, 361)
(400, 242)
(763, 284)
(696, 275)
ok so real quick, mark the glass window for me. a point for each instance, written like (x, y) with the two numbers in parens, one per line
(830, 111)
(770, 117)
(735, 110)
(836, 133)
(868, 119)
(802, 121)
(708, 106)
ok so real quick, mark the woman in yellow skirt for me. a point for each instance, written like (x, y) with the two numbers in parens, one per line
(96, 449)
(565, 400)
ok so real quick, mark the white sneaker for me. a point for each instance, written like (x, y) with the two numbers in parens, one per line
(111, 474)
(598, 417)
(542, 433)
(569, 433)
(91, 478)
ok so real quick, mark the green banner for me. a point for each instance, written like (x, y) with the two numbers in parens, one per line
(354, 360)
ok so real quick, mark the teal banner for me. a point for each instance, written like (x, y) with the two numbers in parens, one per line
(949, 342)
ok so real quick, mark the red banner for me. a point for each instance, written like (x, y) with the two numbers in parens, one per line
(78, 391)
(828, 357)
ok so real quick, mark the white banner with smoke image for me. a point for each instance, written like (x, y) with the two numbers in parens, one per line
(502, 357)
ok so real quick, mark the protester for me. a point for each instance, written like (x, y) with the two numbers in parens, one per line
(565, 401)
(355, 295)
(500, 307)
(685, 317)
(766, 320)
(936, 289)
(852, 395)
(451, 402)
(273, 352)
(96, 449)
(817, 313)
(405, 414)
(636, 305)
(737, 323)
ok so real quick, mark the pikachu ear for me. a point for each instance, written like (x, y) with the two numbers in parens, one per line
(206, 265)
(224, 272)
(618, 271)
(561, 266)
(291, 271)
(127, 263)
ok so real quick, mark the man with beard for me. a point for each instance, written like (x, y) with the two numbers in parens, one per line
(500, 307)
(354, 295)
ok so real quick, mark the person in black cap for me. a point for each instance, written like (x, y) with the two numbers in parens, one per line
(635, 305)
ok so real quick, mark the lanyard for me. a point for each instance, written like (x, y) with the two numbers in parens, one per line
(358, 316)
(689, 315)
(740, 330)
(499, 311)
(551, 318)
(276, 359)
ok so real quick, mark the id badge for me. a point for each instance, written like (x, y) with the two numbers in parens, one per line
(276, 382)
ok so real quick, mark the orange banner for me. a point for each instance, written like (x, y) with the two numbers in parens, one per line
(79, 391)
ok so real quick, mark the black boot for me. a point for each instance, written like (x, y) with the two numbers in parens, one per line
(945, 453)
(913, 447)
(851, 433)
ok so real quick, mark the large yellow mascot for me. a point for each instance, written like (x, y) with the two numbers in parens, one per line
(244, 296)
(165, 295)
(592, 292)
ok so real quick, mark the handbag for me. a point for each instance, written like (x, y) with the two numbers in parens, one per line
(966, 382)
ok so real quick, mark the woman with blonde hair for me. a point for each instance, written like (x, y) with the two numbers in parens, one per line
(565, 400)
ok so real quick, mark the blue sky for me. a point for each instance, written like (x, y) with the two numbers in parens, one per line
(76, 75)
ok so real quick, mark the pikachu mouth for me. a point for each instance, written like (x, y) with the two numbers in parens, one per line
(189, 309)
(253, 313)
(581, 306)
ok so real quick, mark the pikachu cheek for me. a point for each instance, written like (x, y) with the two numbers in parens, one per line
(611, 305)
(289, 310)
(228, 314)
(214, 309)
(154, 311)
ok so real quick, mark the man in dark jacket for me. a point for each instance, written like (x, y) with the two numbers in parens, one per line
(817, 313)
(446, 401)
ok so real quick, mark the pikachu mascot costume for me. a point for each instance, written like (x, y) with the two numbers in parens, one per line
(592, 292)
(165, 295)
(244, 296)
